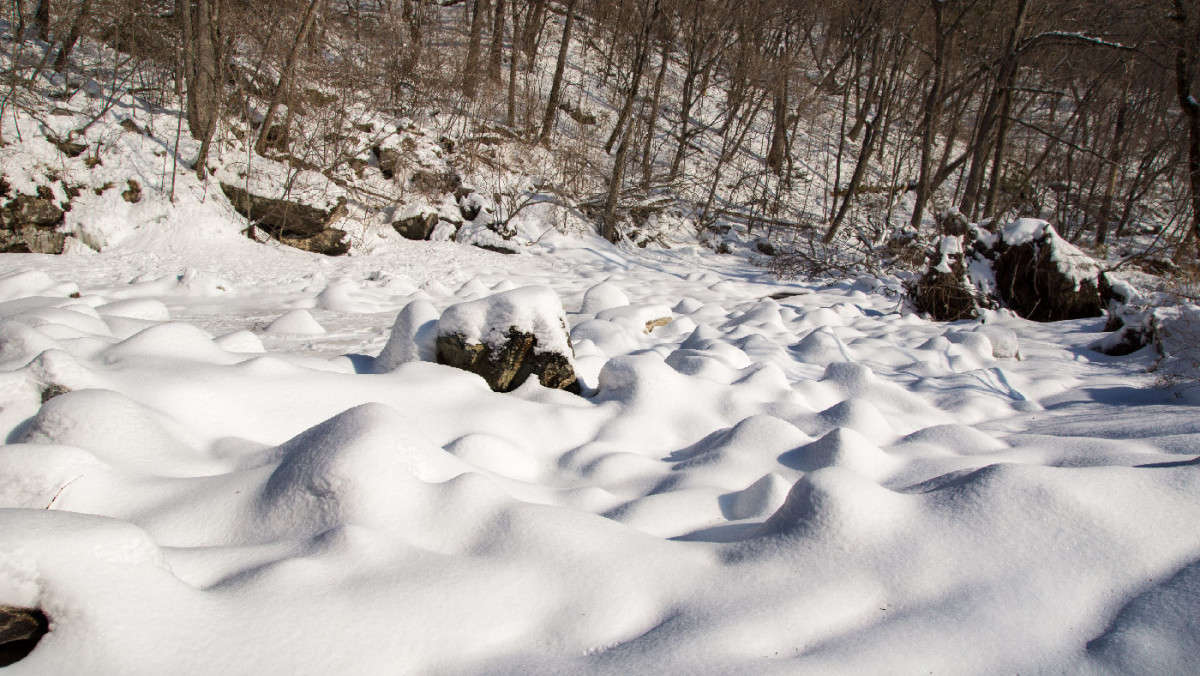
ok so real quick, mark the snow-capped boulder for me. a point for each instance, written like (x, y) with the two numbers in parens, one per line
(509, 336)
(20, 631)
(416, 223)
(1043, 277)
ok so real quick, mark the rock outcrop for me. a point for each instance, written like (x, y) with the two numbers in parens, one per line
(20, 631)
(508, 337)
(293, 223)
(29, 224)
(1042, 277)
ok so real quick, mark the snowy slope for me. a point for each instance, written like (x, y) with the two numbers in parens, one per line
(814, 482)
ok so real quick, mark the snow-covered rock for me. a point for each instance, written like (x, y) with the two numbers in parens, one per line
(509, 336)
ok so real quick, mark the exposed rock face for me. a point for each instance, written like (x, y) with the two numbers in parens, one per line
(506, 368)
(507, 337)
(1043, 277)
(417, 226)
(28, 225)
(330, 241)
(389, 160)
(295, 224)
(435, 182)
(20, 631)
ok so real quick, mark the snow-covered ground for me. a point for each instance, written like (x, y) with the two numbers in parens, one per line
(784, 478)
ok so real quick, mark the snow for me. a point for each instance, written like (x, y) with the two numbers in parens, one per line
(535, 310)
(815, 484)
(1023, 231)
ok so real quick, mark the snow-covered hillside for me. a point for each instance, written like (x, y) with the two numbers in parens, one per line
(783, 478)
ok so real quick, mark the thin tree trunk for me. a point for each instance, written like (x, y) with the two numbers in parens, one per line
(639, 67)
(285, 78)
(614, 189)
(1110, 183)
(652, 122)
(470, 81)
(929, 119)
(496, 50)
(1185, 62)
(559, 66)
(81, 19)
(864, 157)
(41, 20)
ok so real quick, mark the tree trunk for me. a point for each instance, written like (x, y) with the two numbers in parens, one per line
(652, 122)
(1185, 64)
(81, 19)
(1110, 184)
(860, 169)
(470, 80)
(559, 66)
(639, 66)
(285, 77)
(929, 118)
(496, 50)
(41, 20)
(614, 190)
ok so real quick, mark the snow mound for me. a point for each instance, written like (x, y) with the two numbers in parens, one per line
(297, 323)
(603, 296)
(413, 337)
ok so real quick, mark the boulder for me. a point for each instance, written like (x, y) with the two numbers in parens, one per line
(433, 182)
(389, 160)
(293, 223)
(20, 631)
(416, 225)
(330, 242)
(509, 336)
(1043, 277)
(279, 216)
(28, 224)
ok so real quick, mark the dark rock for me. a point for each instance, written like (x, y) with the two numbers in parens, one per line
(388, 159)
(330, 241)
(69, 147)
(20, 631)
(32, 240)
(580, 116)
(506, 368)
(1129, 339)
(51, 391)
(469, 206)
(417, 227)
(277, 138)
(435, 182)
(765, 248)
(446, 143)
(281, 217)
(133, 194)
(28, 224)
(1036, 283)
(497, 249)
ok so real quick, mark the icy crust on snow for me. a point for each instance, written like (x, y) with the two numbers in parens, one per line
(536, 310)
(823, 483)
